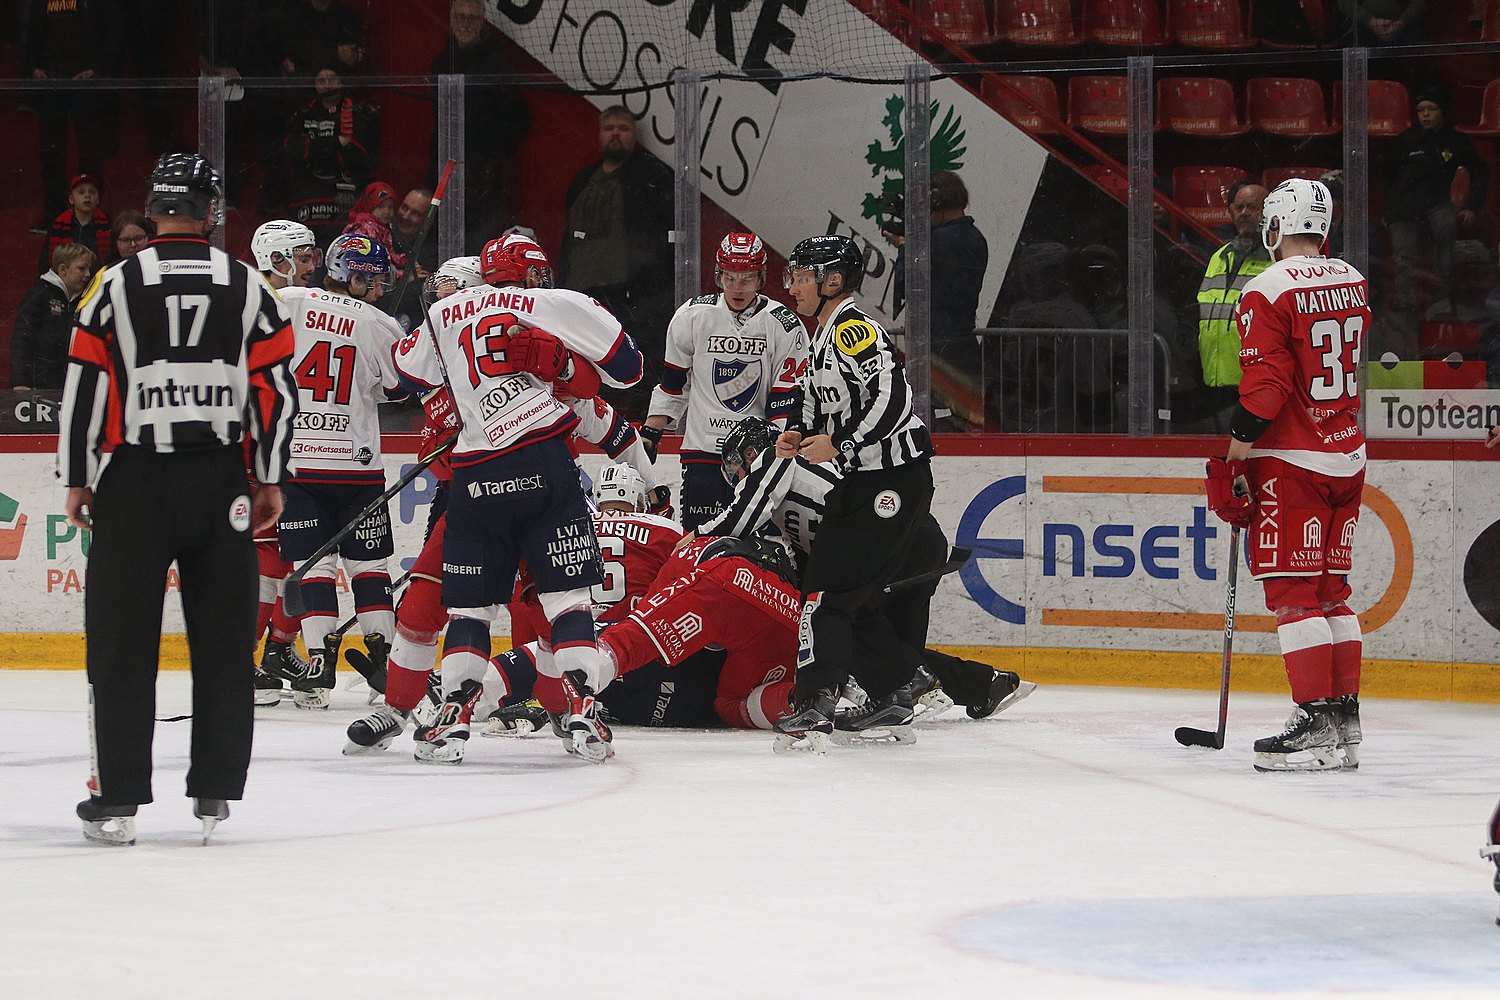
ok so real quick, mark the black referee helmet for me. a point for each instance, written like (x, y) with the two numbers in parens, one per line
(184, 184)
(825, 254)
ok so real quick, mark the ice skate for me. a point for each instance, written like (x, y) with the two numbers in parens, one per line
(1346, 719)
(1309, 742)
(314, 689)
(587, 736)
(521, 719)
(1005, 690)
(446, 740)
(113, 825)
(267, 689)
(375, 731)
(282, 661)
(929, 700)
(212, 812)
(878, 720)
(809, 726)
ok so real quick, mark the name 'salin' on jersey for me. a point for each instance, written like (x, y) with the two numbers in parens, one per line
(1302, 327)
(344, 369)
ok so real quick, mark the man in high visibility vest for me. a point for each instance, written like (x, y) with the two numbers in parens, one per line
(1233, 264)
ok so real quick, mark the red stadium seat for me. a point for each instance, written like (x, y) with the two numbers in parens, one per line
(1099, 104)
(1490, 32)
(885, 14)
(1197, 105)
(1320, 23)
(1489, 117)
(1111, 180)
(1040, 96)
(1035, 22)
(1275, 175)
(1389, 108)
(1208, 24)
(1287, 106)
(965, 21)
(1203, 192)
(1127, 23)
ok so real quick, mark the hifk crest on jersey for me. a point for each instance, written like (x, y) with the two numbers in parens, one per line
(737, 382)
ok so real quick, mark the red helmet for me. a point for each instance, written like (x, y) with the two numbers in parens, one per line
(741, 252)
(516, 260)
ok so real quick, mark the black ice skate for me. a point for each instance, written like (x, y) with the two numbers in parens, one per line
(587, 736)
(878, 720)
(267, 689)
(445, 741)
(370, 665)
(314, 689)
(375, 731)
(113, 825)
(1309, 742)
(1346, 720)
(521, 719)
(1005, 690)
(282, 661)
(929, 700)
(810, 724)
(212, 812)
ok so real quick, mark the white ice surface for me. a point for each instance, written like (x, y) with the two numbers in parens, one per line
(1067, 848)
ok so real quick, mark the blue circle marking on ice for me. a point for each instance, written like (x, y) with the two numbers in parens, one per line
(1375, 942)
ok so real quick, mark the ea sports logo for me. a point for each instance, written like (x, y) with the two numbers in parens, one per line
(887, 503)
(239, 513)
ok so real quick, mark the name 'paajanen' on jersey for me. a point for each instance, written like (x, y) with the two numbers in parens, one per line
(1339, 298)
(500, 298)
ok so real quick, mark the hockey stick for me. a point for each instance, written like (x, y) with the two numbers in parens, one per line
(953, 565)
(1186, 735)
(349, 622)
(421, 238)
(291, 596)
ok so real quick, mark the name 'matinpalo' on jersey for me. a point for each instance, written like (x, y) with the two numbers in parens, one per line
(721, 368)
(856, 392)
(502, 408)
(343, 369)
(1301, 323)
(173, 350)
(790, 493)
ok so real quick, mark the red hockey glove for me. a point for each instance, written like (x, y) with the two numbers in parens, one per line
(538, 352)
(1228, 494)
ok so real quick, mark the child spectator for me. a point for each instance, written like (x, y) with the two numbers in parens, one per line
(82, 222)
(44, 323)
(131, 231)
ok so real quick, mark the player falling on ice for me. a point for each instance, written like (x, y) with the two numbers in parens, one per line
(1295, 469)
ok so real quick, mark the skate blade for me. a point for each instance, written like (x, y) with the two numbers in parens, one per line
(209, 822)
(931, 705)
(267, 698)
(313, 701)
(1322, 759)
(115, 831)
(1349, 753)
(353, 749)
(495, 727)
(587, 747)
(875, 736)
(1022, 691)
(795, 743)
(447, 752)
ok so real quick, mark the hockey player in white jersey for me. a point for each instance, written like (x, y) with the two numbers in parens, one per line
(286, 253)
(343, 369)
(506, 352)
(729, 355)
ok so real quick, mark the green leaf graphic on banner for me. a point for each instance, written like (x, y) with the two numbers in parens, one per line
(9, 508)
(948, 147)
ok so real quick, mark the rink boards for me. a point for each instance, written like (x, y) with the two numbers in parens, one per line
(1095, 561)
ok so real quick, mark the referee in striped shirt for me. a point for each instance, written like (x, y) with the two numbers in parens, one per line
(856, 413)
(179, 352)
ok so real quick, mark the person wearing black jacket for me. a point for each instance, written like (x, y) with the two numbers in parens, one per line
(39, 344)
(617, 245)
(1423, 162)
(330, 150)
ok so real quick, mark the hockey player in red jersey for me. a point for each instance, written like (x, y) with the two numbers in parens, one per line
(1295, 470)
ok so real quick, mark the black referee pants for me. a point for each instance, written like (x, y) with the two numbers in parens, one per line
(868, 528)
(149, 510)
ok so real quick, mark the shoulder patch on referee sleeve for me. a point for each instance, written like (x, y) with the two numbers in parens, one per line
(854, 336)
(90, 291)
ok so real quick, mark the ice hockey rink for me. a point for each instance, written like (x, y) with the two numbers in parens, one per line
(1066, 848)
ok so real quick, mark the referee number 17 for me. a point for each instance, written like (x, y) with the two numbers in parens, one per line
(176, 306)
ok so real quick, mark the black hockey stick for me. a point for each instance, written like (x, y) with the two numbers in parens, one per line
(1186, 735)
(291, 596)
(955, 563)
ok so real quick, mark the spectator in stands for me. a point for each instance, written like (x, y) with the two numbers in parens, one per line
(330, 152)
(372, 214)
(1423, 162)
(617, 241)
(44, 323)
(75, 44)
(323, 34)
(1230, 267)
(960, 257)
(238, 39)
(1383, 22)
(404, 228)
(496, 120)
(83, 221)
(129, 232)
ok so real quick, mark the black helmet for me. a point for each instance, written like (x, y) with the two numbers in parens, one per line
(184, 184)
(755, 433)
(823, 254)
(764, 552)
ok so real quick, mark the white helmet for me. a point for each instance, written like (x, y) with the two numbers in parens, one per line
(279, 236)
(620, 483)
(456, 274)
(1299, 207)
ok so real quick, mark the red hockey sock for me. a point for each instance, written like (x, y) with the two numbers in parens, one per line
(404, 688)
(1307, 648)
(284, 627)
(1348, 650)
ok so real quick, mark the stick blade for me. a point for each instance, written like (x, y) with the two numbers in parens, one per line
(1190, 737)
(291, 598)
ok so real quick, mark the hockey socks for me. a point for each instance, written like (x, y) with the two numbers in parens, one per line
(1307, 648)
(1348, 648)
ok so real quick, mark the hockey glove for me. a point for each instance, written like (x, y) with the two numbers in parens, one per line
(650, 440)
(1229, 492)
(659, 501)
(538, 352)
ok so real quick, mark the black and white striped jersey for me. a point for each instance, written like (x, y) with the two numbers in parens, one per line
(790, 493)
(856, 392)
(175, 349)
